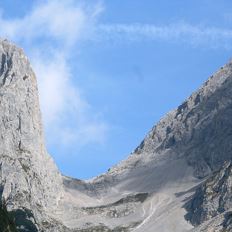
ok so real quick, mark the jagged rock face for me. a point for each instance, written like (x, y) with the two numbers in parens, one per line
(28, 177)
(212, 199)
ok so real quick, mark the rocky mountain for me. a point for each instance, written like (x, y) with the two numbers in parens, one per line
(178, 179)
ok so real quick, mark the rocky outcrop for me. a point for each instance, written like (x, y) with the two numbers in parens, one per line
(212, 201)
(212, 198)
(29, 179)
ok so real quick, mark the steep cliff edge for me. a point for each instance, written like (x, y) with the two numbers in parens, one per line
(29, 179)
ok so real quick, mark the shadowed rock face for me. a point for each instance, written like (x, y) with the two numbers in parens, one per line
(6, 223)
(213, 199)
(146, 192)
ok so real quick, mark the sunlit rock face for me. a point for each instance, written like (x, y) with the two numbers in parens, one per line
(173, 181)
(29, 179)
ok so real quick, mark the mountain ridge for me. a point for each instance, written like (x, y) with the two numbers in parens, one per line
(152, 190)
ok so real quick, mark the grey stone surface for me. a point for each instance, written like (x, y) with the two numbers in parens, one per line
(212, 198)
(212, 202)
(28, 176)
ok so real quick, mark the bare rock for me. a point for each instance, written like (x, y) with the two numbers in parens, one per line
(29, 179)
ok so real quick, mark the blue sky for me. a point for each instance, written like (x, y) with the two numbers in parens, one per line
(109, 70)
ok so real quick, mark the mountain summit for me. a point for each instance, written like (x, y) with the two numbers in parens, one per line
(178, 179)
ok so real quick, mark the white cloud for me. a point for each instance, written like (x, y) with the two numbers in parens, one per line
(196, 35)
(67, 116)
(64, 21)
(50, 31)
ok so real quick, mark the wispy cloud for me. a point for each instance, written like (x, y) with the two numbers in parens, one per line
(50, 31)
(63, 21)
(194, 35)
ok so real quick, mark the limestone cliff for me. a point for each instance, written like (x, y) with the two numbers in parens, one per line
(29, 179)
